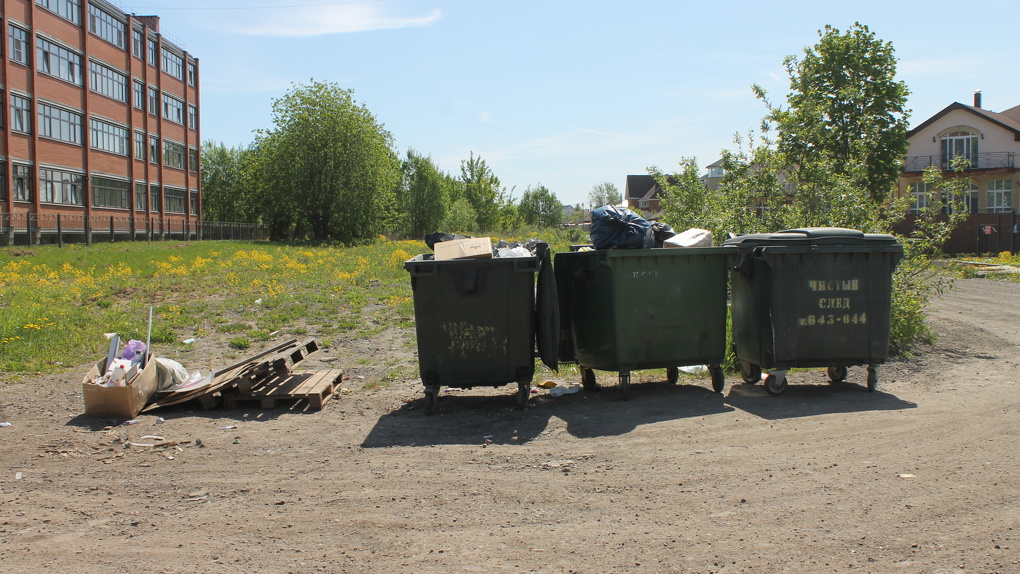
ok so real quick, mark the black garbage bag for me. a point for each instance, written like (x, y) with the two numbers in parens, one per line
(432, 238)
(620, 228)
(662, 232)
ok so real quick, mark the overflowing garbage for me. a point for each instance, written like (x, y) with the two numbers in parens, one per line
(120, 371)
(452, 246)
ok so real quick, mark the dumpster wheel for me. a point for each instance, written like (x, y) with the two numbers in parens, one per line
(872, 378)
(672, 374)
(749, 372)
(837, 374)
(775, 384)
(718, 379)
(624, 384)
(588, 381)
(523, 393)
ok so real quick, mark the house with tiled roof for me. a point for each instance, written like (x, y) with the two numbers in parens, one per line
(990, 142)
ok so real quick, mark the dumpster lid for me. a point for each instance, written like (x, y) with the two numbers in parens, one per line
(812, 235)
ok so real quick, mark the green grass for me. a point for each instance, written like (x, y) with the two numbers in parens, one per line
(56, 303)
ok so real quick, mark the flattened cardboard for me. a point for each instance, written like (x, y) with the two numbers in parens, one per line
(470, 248)
(118, 402)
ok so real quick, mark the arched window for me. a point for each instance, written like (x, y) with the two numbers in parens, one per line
(959, 144)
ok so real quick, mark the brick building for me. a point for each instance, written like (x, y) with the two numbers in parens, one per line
(102, 124)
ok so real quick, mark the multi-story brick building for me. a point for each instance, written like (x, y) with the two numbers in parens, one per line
(102, 126)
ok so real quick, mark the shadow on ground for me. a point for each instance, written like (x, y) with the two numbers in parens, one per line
(463, 418)
(806, 400)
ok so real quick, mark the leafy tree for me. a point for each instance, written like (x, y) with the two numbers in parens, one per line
(327, 170)
(460, 218)
(222, 176)
(422, 197)
(845, 106)
(483, 192)
(604, 193)
(539, 207)
(685, 202)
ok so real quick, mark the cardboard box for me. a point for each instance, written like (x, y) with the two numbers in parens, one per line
(119, 402)
(470, 248)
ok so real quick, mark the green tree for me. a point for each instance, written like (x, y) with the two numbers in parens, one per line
(540, 207)
(482, 190)
(460, 218)
(604, 193)
(222, 176)
(846, 106)
(423, 195)
(327, 170)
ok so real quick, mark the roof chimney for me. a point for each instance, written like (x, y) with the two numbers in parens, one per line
(977, 99)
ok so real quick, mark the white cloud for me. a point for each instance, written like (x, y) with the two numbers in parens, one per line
(306, 21)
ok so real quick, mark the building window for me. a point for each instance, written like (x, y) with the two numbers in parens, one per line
(21, 114)
(140, 145)
(106, 26)
(139, 94)
(3, 181)
(173, 64)
(136, 43)
(56, 186)
(69, 10)
(1000, 192)
(107, 81)
(109, 137)
(173, 154)
(108, 192)
(60, 124)
(153, 101)
(58, 61)
(153, 148)
(173, 109)
(19, 44)
(22, 177)
(918, 197)
(193, 194)
(152, 51)
(192, 74)
(141, 197)
(193, 159)
(154, 197)
(959, 144)
(192, 117)
(174, 200)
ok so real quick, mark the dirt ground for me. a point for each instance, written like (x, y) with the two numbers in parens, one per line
(921, 476)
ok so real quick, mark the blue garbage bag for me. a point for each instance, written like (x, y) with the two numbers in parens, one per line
(615, 227)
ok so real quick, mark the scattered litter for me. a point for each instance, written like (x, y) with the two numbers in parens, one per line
(907, 476)
(694, 369)
(109, 335)
(560, 391)
(558, 463)
(160, 420)
(534, 391)
(188, 341)
(258, 301)
(274, 333)
(131, 422)
(18, 476)
(154, 437)
(547, 385)
(228, 427)
(237, 440)
(5, 424)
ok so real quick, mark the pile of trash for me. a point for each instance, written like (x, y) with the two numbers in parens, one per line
(120, 371)
(614, 227)
(454, 246)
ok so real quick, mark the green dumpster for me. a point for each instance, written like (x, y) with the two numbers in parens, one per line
(625, 310)
(477, 322)
(812, 297)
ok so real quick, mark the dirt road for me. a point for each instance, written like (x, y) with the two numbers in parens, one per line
(919, 477)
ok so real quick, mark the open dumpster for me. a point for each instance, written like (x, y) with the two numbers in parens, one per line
(630, 309)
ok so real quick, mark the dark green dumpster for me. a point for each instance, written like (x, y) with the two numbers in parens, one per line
(630, 309)
(476, 322)
(812, 297)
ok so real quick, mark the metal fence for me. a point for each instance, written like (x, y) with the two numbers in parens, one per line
(57, 229)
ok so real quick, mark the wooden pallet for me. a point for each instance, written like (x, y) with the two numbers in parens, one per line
(277, 364)
(316, 387)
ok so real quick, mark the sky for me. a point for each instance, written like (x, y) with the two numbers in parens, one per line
(566, 93)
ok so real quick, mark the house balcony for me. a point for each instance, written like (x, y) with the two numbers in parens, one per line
(991, 160)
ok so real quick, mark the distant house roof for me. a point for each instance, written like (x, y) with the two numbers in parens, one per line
(641, 187)
(1008, 120)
